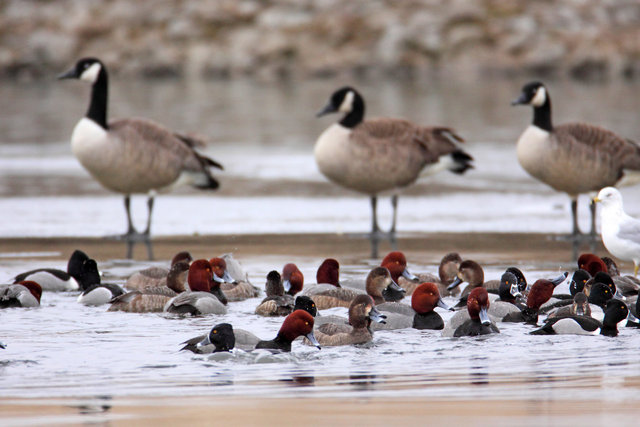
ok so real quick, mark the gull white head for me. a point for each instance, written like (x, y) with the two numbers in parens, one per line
(609, 196)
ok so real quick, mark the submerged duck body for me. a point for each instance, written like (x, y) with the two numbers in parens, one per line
(479, 322)
(205, 296)
(95, 292)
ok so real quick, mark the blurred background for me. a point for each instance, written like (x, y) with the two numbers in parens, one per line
(249, 77)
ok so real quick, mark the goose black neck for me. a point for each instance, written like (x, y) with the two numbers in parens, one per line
(98, 105)
(356, 115)
(542, 115)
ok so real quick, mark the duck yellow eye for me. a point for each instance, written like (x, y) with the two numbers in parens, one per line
(306, 323)
(215, 332)
(313, 305)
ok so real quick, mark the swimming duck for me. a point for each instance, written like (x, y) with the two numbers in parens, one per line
(471, 272)
(574, 158)
(276, 303)
(616, 312)
(132, 156)
(298, 323)
(361, 312)
(510, 297)
(425, 298)
(22, 294)
(580, 307)
(234, 290)
(627, 285)
(578, 281)
(55, 280)
(540, 293)
(205, 295)
(220, 338)
(292, 279)
(97, 293)
(384, 154)
(479, 322)
(599, 296)
(153, 298)
(592, 263)
(379, 286)
(152, 276)
(396, 263)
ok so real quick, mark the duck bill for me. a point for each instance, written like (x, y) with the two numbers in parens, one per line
(408, 275)
(313, 340)
(287, 285)
(484, 317)
(217, 278)
(376, 316)
(561, 278)
(444, 305)
(393, 292)
(515, 291)
(618, 295)
(227, 278)
(580, 310)
(205, 342)
(454, 284)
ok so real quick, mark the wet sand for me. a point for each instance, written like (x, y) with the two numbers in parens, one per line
(487, 248)
(197, 411)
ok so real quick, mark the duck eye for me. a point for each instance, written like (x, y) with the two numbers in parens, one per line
(313, 305)
(215, 332)
(306, 323)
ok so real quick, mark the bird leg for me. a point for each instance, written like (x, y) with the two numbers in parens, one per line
(574, 214)
(150, 206)
(394, 204)
(130, 228)
(635, 269)
(374, 215)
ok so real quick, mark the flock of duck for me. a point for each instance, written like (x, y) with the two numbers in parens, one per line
(372, 156)
(596, 304)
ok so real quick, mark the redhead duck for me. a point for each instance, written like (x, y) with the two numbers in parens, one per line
(479, 322)
(54, 280)
(234, 290)
(152, 276)
(220, 338)
(22, 294)
(95, 292)
(425, 298)
(205, 295)
(328, 284)
(580, 307)
(299, 323)
(615, 313)
(361, 312)
(592, 263)
(292, 279)
(396, 263)
(539, 294)
(276, 303)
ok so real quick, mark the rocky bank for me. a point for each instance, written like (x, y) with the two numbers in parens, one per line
(583, 39)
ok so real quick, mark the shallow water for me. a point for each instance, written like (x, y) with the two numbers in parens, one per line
(64, 349)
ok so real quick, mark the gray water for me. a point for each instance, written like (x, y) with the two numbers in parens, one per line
(264, 133)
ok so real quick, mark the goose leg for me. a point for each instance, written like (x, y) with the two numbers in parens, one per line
(374, 215)
(150, 201)
(130, 228)
(394, 204)
(574, 214)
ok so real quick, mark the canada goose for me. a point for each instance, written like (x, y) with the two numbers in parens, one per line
(383, 154)
(574, 158)
(133, 156)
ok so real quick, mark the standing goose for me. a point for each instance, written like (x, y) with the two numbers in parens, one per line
(574, 158)
(385, 154)
(133, 156)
